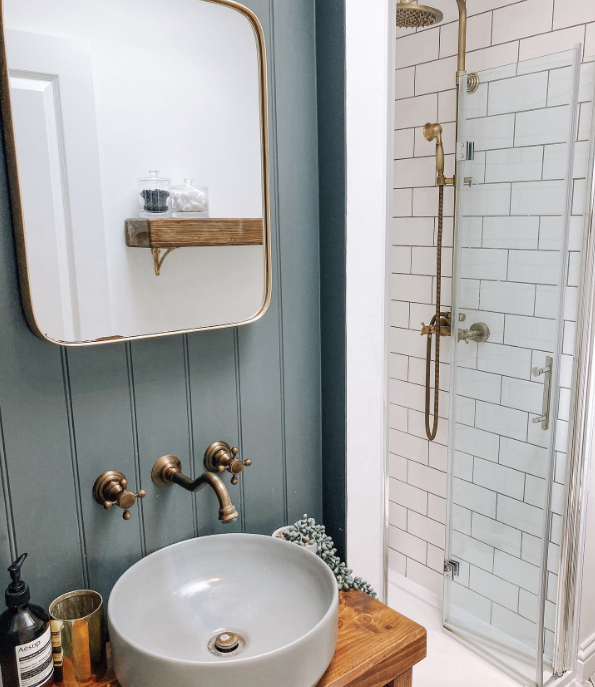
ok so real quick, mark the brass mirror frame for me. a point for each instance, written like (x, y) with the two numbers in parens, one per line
(17, 208)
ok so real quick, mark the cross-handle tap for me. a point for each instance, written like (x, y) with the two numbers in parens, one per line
(110, 489)
(478, 332)
(220, 457)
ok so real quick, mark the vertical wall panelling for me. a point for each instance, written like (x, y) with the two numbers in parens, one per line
(424, 91)
(103, 438)
(8, 540)
(160, 401)
(36, 439)
(78, 502)
(260, 374)
(330, 70)
(294, 64)
(213, 391)
(134, 426)
(67, 416)
(7, 530)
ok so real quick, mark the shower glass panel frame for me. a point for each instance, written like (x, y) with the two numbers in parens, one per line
(513, 205)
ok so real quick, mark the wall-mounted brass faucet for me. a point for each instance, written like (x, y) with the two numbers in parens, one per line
(219, 457)
(110, 489)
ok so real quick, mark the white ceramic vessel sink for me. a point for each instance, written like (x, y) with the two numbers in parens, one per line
(279, 600)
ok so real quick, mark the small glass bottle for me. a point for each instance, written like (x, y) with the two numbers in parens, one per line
(154, 195)
(189, 200)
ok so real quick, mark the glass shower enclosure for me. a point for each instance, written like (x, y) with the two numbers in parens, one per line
(515, 152)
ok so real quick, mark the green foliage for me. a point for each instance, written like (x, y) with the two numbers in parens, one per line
(306, 531)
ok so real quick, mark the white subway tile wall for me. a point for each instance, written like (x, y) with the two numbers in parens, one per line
(508, 269)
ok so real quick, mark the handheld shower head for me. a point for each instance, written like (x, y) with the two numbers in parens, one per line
(434, 132)
(411, 15)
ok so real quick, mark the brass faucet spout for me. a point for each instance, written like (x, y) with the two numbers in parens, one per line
(227, 511)
(168, 470)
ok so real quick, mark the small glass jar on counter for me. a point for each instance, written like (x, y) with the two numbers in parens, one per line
(189, 200)
(154, 195)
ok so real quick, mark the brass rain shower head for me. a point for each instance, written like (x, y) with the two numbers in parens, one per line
(410, 15)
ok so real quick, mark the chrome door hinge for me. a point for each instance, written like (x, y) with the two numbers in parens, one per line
(451, 569)
(465, 150)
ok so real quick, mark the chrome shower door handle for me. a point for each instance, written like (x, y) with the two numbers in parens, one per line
(544, 418)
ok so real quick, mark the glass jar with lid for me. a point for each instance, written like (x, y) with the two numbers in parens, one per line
(154, 195)
(189, 200)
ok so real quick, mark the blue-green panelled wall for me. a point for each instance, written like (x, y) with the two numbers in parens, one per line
(332, 164)
(67, 415)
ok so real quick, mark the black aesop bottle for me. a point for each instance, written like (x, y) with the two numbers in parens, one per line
(25, 637)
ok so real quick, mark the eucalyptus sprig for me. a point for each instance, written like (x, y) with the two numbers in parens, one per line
(306, 531)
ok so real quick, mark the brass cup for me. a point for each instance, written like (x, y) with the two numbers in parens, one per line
(79, 638)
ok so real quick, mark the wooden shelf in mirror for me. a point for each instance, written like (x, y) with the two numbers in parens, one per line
(186, 233)
(170, 233)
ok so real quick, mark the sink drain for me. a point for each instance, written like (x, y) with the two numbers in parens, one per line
(227, 644)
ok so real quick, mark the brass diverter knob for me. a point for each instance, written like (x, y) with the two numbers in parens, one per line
(110, 490)
(220, 457)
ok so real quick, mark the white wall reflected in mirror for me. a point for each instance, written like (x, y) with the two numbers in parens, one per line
(102, 91)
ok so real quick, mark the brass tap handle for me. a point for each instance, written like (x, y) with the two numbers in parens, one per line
(110, 489)
(220, 457)
(236, 467)
(431, 329)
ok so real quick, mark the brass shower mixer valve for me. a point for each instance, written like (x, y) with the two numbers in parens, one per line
(445, 326)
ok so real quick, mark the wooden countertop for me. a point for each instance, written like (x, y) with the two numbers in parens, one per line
(377, 646)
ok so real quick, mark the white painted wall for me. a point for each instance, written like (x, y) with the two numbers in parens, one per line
(369, 55)
(176, 89)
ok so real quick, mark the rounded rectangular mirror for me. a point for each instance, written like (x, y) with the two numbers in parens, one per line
(136, 136)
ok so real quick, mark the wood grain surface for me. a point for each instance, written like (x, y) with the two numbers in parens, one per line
(376, 647)
(186, 233)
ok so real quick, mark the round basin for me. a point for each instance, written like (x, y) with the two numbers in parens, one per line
(232, 610)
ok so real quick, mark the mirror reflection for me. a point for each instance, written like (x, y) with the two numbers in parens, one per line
(140, 145)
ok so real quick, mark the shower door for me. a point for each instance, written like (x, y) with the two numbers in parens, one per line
(515, 151)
